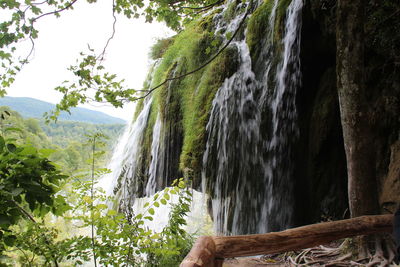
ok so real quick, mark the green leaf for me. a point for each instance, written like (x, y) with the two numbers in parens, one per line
(9, 240)
(111, 212)
(151, 211)
(28, 150)
(4, 220)
(13, 129)
(101, 206)
(46, 152)
(16, 191)
(11, 147)
(148, 218)
(181, 184)
(2, 143)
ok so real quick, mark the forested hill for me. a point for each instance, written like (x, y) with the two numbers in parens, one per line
(33, 108)
(68, 139)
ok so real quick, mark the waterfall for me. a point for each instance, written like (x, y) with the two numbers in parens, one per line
(247, 163)
(247, 168)
(284, 118)
(155, 146)
(124, 160)
(124, 163)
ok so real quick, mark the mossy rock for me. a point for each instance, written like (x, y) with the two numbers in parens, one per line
(184, 104)
(195, 124)
(258, 26)
(160, 47)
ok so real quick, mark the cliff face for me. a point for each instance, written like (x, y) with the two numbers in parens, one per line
(258, 128)
(323, 119)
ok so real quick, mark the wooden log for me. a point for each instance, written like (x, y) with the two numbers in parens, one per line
(299, 238)
(202, 254)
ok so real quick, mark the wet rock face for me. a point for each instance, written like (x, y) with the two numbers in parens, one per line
(323, 173)
(390, 194)
(171, 138)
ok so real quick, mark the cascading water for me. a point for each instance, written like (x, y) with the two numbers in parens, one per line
(155, 146)
(124, 160)
(252, 127)
(284, 118)
(241, 148)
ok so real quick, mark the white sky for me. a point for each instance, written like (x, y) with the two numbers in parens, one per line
(61, 39)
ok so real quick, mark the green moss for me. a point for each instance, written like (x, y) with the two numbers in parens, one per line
(198, 107)
(185, 104)
(206, 23)
(258, 25)
(229, 13)
(138, 108)
(182, 47)
(159, 48)
(280, 19)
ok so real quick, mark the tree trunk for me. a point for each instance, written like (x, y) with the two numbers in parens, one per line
(357, 131)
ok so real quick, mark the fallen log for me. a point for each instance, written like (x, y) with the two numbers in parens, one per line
(202, 254)
(300, 237)
(209, 251)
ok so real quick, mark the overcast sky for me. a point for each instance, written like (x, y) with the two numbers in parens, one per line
(61, 39)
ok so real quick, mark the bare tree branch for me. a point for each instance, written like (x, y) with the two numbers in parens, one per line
(203, 8)
(56, 11)
(101, 56)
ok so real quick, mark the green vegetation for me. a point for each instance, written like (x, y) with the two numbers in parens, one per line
(258, 26)
(197, 113)
(158, 49)
(62, 131)
(117, 239)
(28, 183)
(46, 217)
(66, 139)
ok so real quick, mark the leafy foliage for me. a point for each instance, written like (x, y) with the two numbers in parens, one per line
(92, 83)
(28, 182)
(41, 246)
(117, 239)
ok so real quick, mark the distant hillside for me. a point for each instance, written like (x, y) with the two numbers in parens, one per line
(34, 108)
